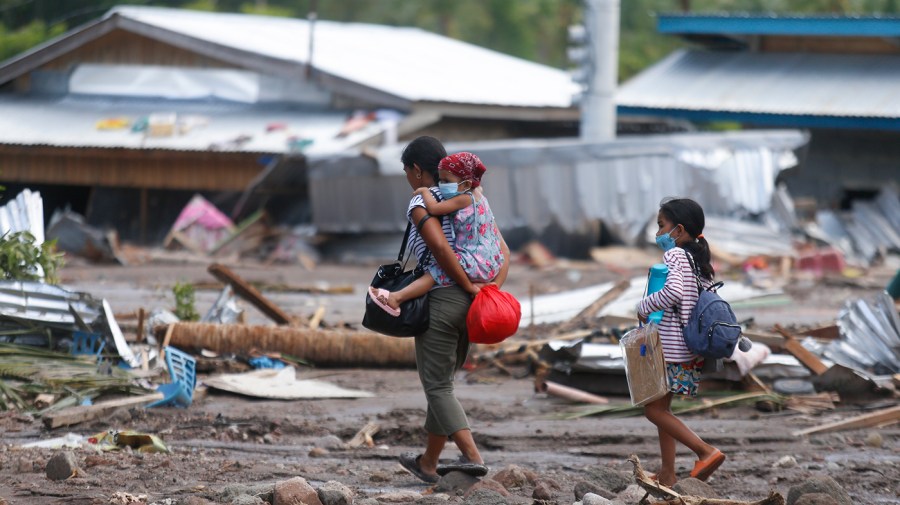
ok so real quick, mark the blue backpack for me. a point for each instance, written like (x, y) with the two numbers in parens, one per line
(712, 330)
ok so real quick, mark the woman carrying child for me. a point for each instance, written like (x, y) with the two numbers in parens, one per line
(687, 256)
(476, 237)
(442, 349)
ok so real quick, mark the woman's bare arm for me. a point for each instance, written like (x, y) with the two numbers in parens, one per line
(434, 238)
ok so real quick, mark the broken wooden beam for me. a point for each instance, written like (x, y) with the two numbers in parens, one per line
(363, 436)
(570, 393)
(82, 413)
(803, 355)
(879, 417)
(590, 312)
(246, 291)
(322, 347)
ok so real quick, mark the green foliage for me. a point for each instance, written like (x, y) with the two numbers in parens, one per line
(21, 259)
(16, 41)
(185, 301)
(530, 29)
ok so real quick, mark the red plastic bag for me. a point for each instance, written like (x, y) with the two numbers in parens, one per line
(493, 316)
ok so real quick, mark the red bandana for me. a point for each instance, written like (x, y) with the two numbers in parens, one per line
(464, 165)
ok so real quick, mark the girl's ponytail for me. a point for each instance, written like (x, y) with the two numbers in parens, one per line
(699, 250)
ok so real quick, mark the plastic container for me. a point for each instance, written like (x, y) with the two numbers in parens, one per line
(656, 281)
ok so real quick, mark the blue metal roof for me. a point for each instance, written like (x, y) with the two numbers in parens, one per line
(737, 24)
(782, 89)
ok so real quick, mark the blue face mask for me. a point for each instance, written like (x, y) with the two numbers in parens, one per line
(665, 241)
(449, 189)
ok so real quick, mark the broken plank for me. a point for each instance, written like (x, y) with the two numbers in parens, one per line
(876, 418)
(586, 315)
(249, 293)
(803, 355)
(80, 414)
(363, 435)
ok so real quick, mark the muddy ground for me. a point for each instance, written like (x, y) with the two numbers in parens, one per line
(226, 439)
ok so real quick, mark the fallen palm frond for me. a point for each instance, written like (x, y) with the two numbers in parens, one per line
(27, 371)
(679, 405)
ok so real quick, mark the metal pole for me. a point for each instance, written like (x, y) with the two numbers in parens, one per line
(598, 104)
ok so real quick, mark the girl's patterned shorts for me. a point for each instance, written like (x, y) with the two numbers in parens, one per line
(684, 378)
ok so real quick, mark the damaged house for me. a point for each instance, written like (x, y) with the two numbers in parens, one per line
(124, 119)
(834, 76)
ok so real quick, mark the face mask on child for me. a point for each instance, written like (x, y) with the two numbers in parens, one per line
(665, 241)
(449, 189)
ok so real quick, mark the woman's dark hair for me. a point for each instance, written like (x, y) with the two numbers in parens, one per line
(689, 214)
(426, 152)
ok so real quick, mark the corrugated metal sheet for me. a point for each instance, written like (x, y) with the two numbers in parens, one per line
(72, 122)
(537, 183)
(833, 85)
(405, 62)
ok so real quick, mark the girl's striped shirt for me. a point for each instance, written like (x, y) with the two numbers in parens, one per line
(680, 290)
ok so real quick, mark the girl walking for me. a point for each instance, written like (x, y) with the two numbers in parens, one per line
(687, 256)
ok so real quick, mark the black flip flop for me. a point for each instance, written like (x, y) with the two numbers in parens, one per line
(473, 469)
(410, 461)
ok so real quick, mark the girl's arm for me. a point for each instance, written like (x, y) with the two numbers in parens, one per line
(670, 295)
(433, 235)
(436, 208)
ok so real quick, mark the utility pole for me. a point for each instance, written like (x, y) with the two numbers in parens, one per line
(598, 102)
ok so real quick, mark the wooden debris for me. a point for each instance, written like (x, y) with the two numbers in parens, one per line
(316, 319)
(363, 436)
(249, 293)
(80, 414)
(588, 314)
(671, 497)
(804, 356)
(340, 289)
(140, 326)
(322, 347)
(811, 404)
(569, 393)
(877, 418)
(44, 400)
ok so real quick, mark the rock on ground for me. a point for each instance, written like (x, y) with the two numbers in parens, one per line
(816, 499)
(295, 491)
(62, 466)
(632, 494)
(584, 487)
(593, 499)
(823, 484)
(485, 497)
(609, 478)
(695, 487)
(335, 493)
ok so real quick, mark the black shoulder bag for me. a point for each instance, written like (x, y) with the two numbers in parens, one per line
(413, 319)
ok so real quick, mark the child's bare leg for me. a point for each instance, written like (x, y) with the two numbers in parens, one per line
(660, 414)
(666, 475)
(416, 288)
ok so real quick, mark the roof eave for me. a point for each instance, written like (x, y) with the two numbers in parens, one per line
(827, 26)
(770, 119)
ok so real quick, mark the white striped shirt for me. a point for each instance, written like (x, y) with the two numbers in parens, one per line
(416, 243)
(680, 290)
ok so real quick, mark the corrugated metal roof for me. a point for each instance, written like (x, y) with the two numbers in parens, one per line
(536, 183)
(72, 122)
(829, 85)
(405, 62)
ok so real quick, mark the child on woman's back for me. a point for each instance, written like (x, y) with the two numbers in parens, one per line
(687, 256)
(477, 240)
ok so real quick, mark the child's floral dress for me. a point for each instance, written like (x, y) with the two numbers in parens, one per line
(477, 244)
